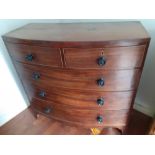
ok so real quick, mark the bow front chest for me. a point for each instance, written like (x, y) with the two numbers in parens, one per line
(84, 74)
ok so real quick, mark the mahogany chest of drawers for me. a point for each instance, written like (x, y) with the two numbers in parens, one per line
(84, 74)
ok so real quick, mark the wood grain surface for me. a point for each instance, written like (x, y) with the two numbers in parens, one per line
(118, 80)
(80, 98)
(61, 62)
(116, 57)
(80, 34)
(26, 124)
(46, 56)
(81, 117)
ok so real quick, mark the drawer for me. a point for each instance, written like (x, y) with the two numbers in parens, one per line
(80, 99)
(82, 117)
(100, 80)
(106, 58)
(35, 54)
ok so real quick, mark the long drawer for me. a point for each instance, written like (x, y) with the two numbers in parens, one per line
(89, 118)
(80, 99)
(107, 58)
(100, 80)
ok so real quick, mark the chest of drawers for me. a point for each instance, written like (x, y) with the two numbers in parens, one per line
(83, 74)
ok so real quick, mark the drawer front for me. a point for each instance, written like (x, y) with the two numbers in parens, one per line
(80, 99)
(82, 117)
(35, 54)
(121, 80)
(107, 58)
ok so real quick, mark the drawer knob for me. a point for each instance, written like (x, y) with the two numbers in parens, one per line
(36, 76)
(99, 119)
(100, 82)
(29, 57)
(47, 110)
(101, 61)
(42, 94)
(100, 101)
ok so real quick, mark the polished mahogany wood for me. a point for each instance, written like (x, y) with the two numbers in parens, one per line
(84, 117)
(79, 98)
(46, 56)
(85, 74)
(120, 80)
(114, 57)
(80, 34)
(26, 124)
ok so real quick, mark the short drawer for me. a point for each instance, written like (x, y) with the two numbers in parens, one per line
(82, 117)
(99, 80)
(80, 99)
(106, 58)
(35, 54)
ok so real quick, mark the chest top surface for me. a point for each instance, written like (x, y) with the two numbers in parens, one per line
(79, 32)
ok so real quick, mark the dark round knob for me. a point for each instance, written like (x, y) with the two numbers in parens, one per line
(100, 101)
(29, 57)
(101, 61)
(100, 82)
(99, 119)
(42, 94)
(47, 110)
(36, 76)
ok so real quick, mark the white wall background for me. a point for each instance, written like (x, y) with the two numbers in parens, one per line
(13, 99)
